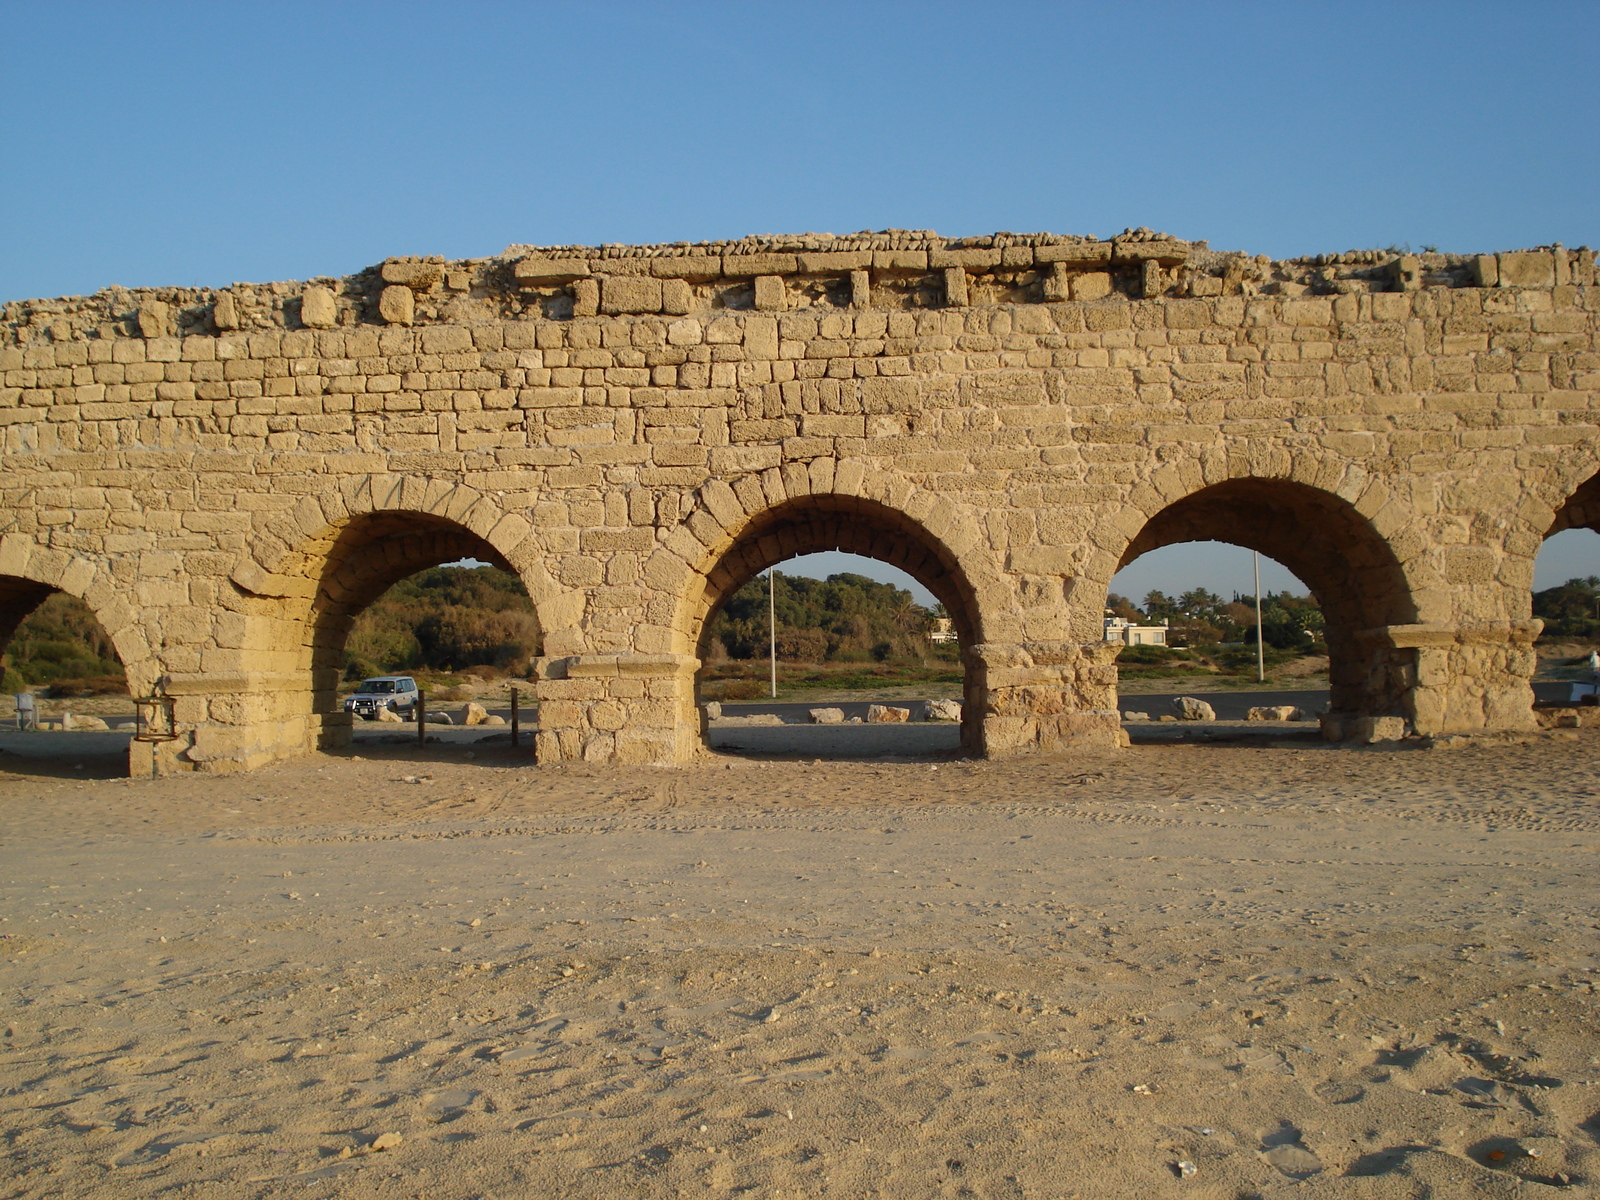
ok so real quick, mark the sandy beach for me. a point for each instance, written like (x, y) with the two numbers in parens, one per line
(1183, 970)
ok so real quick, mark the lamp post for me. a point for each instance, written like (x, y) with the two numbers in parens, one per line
(1261, 653)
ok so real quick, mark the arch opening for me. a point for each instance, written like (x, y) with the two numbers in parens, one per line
(489, 625)
(1566, 598)
(1351, 571)
(55, 652)
(853, 526)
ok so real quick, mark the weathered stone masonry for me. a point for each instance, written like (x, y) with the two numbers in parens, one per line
(228, 477)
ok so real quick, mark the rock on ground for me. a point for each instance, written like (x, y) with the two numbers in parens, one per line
(1130, 715)
(943, 710)
(1274, 712)
(74, 721)
(476, 714)
(440, 718)
(1190, 709)
(390, 717)
(885, 714)
(712, 709)
(827, 716)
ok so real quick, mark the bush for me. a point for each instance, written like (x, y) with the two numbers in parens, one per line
(78, 689)
(732, 689)
(1150, 655)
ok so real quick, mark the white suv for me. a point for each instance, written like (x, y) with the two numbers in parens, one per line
(395, 692)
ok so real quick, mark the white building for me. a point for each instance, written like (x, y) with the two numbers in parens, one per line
(1120, 629)
(941, 631)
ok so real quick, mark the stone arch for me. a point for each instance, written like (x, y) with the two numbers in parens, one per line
(30, 573)
(755, 522)
(350, 545)
(1580, 510)
(1349, 543)
(740, 529)
(287, 549)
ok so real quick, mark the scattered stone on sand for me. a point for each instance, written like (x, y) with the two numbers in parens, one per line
(88, 724)
(886, 714)
(943, 710)
(712, 709)
(854, 721)
(386, 1141)
(1274, 712)
(475, 714)
(826, 716)
(1189, 708)
(1130, 715)
(389, 717)
(440, 718)
(494, 719)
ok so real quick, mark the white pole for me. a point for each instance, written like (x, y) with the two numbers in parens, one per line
(1261, 654)
(772, 625)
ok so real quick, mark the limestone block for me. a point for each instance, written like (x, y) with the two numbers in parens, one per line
(1378, 729)
(419, 276)
(676, 296)
(1407, 272)
(585, 298)
(1527, 268)
(1277, 712)
(861, 288)
(747, 266)
(1188, 708)
(77, 721)
(955, 287)
(1130, 715)
(154, 319)
(826, 716)
(942, 710)
(1082, 255)
(884, 714)
(389, 717)
(494, 719)
(225, 312)
(536, 270)
(630, 294)
(440, 718)
(1091, 285)
(712, 710)
(771, 294)
(397, 305)
(1057, 283)
(318, 309)
(475, 714)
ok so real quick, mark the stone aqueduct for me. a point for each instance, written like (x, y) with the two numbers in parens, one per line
(228, 477)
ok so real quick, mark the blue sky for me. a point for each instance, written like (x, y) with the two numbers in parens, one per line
(204, 143)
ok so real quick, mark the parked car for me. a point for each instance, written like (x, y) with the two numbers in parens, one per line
(395, 692)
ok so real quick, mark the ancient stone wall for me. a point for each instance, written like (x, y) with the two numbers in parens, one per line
(227, 477)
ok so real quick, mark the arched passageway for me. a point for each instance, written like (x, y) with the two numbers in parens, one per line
(852, 525)
(353, 566)
(1566, 598)
(1349, 567)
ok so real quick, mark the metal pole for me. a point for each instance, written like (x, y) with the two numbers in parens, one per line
(513, 718)
(1261, 654)
(422, 717)
(772, 625)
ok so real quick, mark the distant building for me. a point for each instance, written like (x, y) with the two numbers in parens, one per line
(941, 631)
(1120, 629)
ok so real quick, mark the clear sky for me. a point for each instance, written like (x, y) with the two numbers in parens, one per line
(204, 143)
